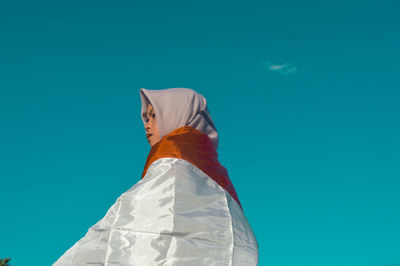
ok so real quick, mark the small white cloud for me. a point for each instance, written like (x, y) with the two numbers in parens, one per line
(282, 69)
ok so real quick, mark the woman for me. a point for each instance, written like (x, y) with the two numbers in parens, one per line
(185, 210)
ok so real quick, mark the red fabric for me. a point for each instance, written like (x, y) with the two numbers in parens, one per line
(195, 147)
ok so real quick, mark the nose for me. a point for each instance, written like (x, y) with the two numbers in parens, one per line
(147, 127)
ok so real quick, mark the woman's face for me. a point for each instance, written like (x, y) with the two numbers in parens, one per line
(153, 136)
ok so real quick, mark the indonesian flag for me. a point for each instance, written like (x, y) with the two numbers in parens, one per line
(184, 211)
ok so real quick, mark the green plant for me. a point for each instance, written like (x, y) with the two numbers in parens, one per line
(5, 262)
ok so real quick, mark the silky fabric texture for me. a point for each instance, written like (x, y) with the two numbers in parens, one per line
(175, 216)
(192, 145)
(178, 107)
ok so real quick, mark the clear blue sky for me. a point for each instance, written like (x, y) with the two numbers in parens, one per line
(305, 95)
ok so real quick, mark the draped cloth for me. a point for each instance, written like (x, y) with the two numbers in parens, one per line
(183, 212)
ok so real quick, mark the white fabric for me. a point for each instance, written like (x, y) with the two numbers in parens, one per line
(178, 107)
(175, 216)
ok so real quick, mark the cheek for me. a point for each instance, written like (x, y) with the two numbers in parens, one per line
(155, 127)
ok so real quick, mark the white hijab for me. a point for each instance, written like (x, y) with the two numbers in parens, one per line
(178, 107)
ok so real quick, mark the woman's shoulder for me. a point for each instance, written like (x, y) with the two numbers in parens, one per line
(197, 149)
